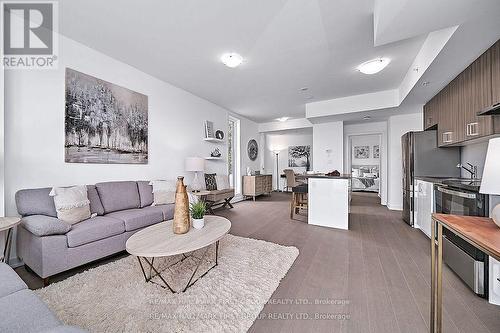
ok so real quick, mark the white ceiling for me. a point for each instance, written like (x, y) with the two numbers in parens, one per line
(287, 44)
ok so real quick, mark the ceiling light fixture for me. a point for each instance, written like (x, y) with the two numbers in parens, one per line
(425, 83)
(367, 118)
(304, 89)
(231, 60)
(282, 119)
(373, 66)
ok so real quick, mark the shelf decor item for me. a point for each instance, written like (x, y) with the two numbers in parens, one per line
(197, 211)
(490, 183)
(209, 129)
(195, 164)
(252, 149)
(219, 134)
(215, 153)
(181, 221)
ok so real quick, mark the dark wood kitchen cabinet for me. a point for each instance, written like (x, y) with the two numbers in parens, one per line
(430, 115)
(453, 111)
(495, 73)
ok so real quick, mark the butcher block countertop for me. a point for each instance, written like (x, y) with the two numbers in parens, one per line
(479, 231)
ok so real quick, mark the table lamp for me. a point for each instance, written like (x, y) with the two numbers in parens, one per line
(491, 175)
(195, 164)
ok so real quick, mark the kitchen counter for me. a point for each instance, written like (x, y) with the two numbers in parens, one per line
(328, 200)
(344, 176)
(459, 183)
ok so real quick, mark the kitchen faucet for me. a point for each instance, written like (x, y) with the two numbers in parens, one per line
(472, 170)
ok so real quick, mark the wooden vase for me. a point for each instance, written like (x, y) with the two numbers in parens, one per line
(181, 222)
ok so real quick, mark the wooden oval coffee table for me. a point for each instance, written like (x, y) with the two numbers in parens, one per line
(159, 240)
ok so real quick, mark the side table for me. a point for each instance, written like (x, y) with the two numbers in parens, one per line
(7, 224)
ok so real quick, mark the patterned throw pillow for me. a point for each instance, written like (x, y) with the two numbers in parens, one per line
(210, 182)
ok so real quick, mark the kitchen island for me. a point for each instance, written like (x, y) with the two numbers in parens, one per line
(328, 200)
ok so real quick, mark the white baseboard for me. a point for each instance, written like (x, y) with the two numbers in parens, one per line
(394, 207)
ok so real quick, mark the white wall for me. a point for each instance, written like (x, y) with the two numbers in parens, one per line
(396, 127)
(475, 154)
(364, 140)
(280, 142)
(34, 126)
(328, 146)
(249, 131)
(371, 128)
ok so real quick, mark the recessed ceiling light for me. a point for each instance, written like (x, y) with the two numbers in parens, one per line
(304, 89)
(367, 118)
(283, 119)
(231, 60)
(373, 66)
(425, 83)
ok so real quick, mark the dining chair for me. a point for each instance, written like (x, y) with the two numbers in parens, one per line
(291, 180)
(299, 199)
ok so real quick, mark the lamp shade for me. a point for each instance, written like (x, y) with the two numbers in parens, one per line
(491, 174)
(194, 164)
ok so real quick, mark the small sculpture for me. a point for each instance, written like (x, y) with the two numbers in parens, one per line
(215, 153)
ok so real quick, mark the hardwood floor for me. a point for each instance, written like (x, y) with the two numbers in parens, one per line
(379, 271)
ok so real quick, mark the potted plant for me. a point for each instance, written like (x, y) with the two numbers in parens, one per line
(197, 211)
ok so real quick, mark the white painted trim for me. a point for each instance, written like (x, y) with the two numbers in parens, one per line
(285, 125)
(356, 103)
(392, 207)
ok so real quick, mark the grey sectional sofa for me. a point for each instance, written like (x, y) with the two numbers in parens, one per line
(49, 246)
(22, 310)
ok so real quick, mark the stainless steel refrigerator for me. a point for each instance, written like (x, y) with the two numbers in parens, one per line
(422, 157)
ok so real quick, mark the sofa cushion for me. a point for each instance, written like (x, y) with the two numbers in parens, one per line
(145, 193)
(138, 218)
(23, 311)
(167, 211)
(41, 225)
(11, 282)
(95, 202)
(94, 229)
(35, 202)
(117, 196)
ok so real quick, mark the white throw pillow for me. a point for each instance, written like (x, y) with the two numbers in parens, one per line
(163, 192)
(72, 203)
(222, 182)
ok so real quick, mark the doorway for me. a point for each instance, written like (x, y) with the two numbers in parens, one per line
(234, 154)
(364, 156)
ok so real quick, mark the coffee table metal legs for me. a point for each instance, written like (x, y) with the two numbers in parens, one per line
(8, 245)
(152, 269)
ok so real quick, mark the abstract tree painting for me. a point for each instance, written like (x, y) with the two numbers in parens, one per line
(104, 122)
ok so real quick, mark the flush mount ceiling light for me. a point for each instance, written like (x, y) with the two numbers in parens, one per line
(231, 60)
(367, 118)
(283, 119)
(373, 66)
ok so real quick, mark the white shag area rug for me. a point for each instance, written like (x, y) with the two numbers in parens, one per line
(115, 297)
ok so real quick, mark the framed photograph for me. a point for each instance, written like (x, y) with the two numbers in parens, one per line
(209, 129)
(361, 152)
(376, 151)
(104, 123)
(299, 156)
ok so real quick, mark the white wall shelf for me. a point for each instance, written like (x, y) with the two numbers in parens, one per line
(214, 140)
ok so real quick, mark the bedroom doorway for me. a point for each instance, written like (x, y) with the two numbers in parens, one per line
(364, 162)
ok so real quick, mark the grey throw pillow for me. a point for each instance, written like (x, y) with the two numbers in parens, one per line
(210, 181)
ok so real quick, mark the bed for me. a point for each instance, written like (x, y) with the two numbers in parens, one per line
(365, 178)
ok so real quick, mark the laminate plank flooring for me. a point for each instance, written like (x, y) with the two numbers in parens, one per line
(373, 278)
